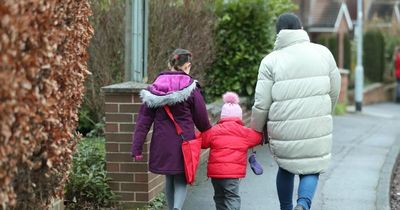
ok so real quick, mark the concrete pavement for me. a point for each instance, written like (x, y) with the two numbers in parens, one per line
(365, 147)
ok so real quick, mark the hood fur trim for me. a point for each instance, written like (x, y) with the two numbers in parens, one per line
(153, 101)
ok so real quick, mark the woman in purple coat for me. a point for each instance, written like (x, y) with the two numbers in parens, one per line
(181, 93)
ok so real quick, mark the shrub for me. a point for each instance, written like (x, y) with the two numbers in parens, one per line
(374, 56)
(87, 186)
(43, 68)
(390, 44)
(347, 63)
(329, 41)
(106, 60)
(340, 109)
(243, 36)
(186, 24)
(85, 122)
(159, 202)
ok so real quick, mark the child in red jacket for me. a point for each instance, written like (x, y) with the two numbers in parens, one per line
(229, 141)
(396, 58)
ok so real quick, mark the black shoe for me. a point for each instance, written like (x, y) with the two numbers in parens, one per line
(299, 207)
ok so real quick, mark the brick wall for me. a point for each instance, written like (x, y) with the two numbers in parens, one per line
(130, 180)
(343, 96)
(376, 93)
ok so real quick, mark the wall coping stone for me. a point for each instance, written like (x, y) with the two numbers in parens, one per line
(375, 86)
(125, 87)
(372, 87)
(389, 86)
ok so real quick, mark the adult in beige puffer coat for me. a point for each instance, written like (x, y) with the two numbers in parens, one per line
(297, 89)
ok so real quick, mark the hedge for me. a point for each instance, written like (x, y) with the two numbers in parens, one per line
(43, 68)
(106, 61)
(244, 34)
(181, 24)
(374, 56)
(331, 42)
(347, 62)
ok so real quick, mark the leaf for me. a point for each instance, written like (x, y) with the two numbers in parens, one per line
(249, 90)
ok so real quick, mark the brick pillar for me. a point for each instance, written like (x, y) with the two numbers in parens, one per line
(130, 180)
(344, 73)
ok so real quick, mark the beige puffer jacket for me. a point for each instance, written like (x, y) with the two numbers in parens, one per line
(297, 89)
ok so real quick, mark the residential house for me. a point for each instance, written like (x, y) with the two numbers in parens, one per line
(384, 16)
(326, 17)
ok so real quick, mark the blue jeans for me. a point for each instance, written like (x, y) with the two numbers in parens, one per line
(307, 186)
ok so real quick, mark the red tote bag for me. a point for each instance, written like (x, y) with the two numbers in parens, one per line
(191, 156)
(190, 148)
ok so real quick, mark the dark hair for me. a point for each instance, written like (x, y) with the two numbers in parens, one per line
(180, 57)
(288, 21)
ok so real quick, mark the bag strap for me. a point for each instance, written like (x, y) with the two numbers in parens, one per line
(177, 127)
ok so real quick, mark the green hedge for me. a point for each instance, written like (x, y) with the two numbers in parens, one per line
(347, 53)
(331, 42)
(244, 34)
(374, 56)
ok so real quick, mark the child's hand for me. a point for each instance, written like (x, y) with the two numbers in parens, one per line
(198, 135)
(138, 157)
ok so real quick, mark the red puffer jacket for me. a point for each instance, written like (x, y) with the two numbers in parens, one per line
(229, 142)
(397, 66)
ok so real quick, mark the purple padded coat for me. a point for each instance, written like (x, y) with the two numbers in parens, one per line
(182, 94)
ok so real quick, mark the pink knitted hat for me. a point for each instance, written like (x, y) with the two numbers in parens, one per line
(231, 108)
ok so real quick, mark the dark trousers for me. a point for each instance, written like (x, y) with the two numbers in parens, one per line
(398, 91)
(226, 193)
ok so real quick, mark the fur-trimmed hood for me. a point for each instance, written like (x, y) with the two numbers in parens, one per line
(170, 87)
